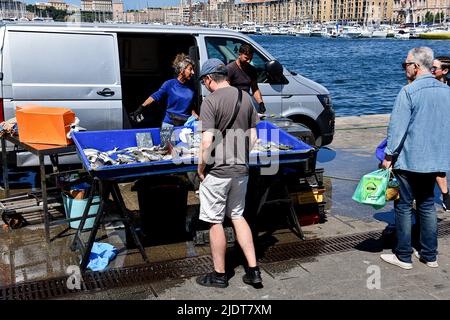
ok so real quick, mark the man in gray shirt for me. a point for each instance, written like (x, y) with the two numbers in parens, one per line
(228, 123)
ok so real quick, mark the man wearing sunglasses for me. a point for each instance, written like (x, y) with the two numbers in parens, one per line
(418, 147)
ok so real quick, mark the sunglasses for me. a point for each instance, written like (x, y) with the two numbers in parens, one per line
(405, 64)
(433, 69)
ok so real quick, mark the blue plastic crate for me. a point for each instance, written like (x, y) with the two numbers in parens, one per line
(108, 140)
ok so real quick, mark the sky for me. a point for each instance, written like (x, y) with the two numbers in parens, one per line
(129, 4)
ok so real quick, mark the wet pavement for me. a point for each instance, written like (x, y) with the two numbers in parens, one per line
(25, 255)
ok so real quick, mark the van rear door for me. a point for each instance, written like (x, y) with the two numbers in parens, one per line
(57, 67)
(2, 36)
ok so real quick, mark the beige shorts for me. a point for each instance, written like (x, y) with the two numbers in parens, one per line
(222, 196)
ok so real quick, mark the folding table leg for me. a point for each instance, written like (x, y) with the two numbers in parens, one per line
(77, 236)
(126, 220)
(98, 219)
(5, 168)
(292, 215)
(44, 198)
(263, 200)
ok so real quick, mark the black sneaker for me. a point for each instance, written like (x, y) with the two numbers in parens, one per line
(252, 277)
(446, 202)
(213, 280)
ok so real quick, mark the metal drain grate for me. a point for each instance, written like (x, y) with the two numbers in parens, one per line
(190, 267)
(317, 247)
(94, 281)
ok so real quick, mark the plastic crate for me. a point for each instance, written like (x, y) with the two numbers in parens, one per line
(311, 213)
(309, 219)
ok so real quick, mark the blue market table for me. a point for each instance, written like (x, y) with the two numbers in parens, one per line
(105, 179)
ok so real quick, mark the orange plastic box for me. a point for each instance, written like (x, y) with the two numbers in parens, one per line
(45, 125)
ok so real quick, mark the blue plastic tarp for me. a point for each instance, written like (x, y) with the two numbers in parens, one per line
(101, 255)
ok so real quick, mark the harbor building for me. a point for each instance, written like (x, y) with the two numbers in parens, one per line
(97, 6)
(300, 11)
(416, 11)
(10, 9)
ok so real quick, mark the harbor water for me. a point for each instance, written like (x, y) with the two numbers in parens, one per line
(363, 75)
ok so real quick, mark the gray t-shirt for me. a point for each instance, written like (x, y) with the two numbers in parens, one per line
(215, 114)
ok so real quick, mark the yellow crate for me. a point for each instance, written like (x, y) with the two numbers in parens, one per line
(308, 196)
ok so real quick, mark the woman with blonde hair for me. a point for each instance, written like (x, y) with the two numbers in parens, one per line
(178, 92)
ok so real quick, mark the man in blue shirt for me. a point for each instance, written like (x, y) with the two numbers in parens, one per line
(418, 147)
(177, 92)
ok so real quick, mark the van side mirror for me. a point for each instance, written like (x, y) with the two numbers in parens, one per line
(275, 72)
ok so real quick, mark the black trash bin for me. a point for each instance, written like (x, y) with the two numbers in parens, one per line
(163, 208)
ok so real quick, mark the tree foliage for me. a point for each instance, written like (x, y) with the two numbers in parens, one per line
(49, 12)
(89, 16)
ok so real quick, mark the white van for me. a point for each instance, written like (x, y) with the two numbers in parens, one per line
(103, 72)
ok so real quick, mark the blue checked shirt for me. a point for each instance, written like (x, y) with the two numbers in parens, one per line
(419, 128)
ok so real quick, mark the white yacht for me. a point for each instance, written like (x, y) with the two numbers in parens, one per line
(316, 31)
(303, 32)
(366, 33)
(351, 32)
(402, 35)
(379, 34)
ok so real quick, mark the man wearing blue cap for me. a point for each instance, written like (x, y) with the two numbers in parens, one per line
(228, 122)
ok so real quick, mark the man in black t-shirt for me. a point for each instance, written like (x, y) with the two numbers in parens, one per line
(242, 75)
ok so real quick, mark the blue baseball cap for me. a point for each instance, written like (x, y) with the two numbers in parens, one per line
(213, 65)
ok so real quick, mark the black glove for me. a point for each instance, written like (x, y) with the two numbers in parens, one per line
(262, 107)
(137, 116)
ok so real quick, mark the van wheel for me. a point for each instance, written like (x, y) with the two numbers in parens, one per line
(311, 125)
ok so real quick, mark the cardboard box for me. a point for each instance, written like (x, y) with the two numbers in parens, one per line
(313, 195)
(44, 125)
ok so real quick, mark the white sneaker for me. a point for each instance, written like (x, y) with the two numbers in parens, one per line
(432, 264)
(392, 259)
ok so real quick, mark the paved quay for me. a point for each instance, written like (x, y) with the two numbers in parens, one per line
(355, 273)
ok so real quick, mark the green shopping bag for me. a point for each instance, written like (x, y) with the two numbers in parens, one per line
(371, 189)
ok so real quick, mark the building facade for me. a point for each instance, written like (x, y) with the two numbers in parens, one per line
(164, 15)
(118, 11)
(12, 9)
(97, 6)
(416, 11)
(276, 12)
(58, 4)
(302, 11)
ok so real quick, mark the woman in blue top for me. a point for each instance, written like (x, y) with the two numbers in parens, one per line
(178, 93)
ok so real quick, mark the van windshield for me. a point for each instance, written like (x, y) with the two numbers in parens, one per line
(227, 50)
